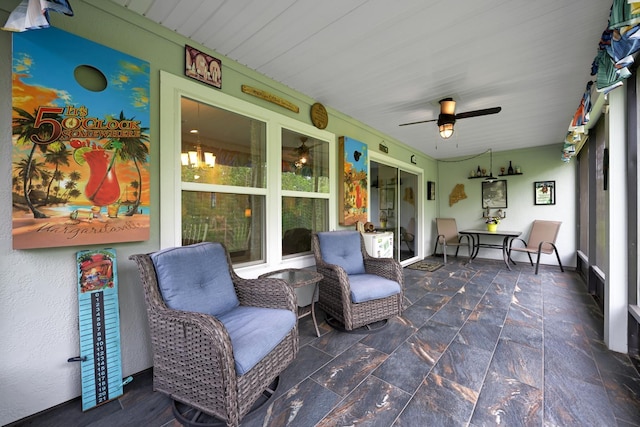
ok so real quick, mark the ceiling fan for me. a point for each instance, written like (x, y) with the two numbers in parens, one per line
(448, 117)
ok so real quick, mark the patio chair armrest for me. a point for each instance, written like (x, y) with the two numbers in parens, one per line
(546, 251)
(519, 240)
(265, 292)
(385, 267)
(176, 333)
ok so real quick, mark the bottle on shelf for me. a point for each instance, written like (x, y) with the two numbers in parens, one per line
(479, 171)
(510, 170)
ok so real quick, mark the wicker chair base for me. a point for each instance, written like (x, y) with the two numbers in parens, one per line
(191, 417)
(366, 329)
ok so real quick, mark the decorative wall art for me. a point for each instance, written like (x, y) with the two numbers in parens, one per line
(80, 142)
(202, 67)
(354, 198)
(457, 194)
(544, 192)
(431, 190)
(494, 194)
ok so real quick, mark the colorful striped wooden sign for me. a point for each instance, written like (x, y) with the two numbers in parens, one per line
(100, 357)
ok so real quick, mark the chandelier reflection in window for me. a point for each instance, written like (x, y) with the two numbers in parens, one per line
(198, 158)
(303, 154)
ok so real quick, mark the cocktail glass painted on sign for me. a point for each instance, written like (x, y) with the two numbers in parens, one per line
(102, 188)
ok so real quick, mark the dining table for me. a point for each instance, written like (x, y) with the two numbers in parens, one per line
(476, 244)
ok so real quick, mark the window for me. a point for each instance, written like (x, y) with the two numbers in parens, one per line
(236, 173)
(305, 189)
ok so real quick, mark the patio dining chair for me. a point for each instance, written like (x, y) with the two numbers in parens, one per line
(448, 236)
(542, 240)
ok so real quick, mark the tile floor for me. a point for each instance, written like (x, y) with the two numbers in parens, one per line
(477, 345)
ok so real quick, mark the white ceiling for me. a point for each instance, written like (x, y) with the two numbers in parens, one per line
(385, 63)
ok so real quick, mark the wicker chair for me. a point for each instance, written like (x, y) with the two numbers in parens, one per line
(356, 289)
(542, 240)
(208, 327)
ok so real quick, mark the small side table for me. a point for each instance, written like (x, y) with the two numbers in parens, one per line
(298, 278)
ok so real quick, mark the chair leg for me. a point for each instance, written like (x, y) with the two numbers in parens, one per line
(558, 256)
(444, 251)
(537, 261)
(531, 260)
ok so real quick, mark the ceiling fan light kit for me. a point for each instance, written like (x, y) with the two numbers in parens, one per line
(447, 117)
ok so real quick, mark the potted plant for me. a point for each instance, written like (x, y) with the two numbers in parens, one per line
(492, 223)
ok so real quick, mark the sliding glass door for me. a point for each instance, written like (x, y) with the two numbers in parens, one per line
(395, 198)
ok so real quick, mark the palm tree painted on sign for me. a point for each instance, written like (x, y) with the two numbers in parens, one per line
(57, 155)
(29, 168)
(134, 149)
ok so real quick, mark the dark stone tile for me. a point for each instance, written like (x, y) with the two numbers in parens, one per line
(479, 334)
(530, 301)
(447, 287)
(335, 342)
(391, 336)
(303, 405)
(451, 315)
(624, 394)
(417, 315)
(346, 371)
(464, 365)
(465, 299)
(438, 402)
(488, 314)
(506, 401)
(609, 361)
(436, 337)
(309, 360)
(433, 301)
(496, 297)
(408, 365)
(570, 358)
(518, 362)
(575, 402)
(524, 327)
(374, 403)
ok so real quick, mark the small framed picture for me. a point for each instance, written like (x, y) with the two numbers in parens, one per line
(494, 194)
(202, 67)
(544, 192)
(431, 190)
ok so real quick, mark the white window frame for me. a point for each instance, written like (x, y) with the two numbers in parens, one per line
(172, 90)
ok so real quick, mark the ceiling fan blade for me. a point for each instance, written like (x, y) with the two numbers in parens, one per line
(476, 113)
(415, 123)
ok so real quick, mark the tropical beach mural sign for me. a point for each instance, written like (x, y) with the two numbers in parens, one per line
(354, 196)
(80, 142)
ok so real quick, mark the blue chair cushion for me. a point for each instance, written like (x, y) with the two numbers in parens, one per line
(367, 287)
(342, 248)
(254, 332)
(196, 278)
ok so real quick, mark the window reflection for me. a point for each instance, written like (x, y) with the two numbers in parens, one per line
(236, 220)
(221, 147)
(305, 163)
(300, 218)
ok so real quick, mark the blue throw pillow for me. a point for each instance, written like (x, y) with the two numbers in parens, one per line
(342, 248)
(196, 278)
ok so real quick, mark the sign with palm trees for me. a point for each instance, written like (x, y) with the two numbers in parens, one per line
(80, 142)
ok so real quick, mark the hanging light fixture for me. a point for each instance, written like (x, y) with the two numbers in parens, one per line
(490, 178)
(197, 158)
(447, 117)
